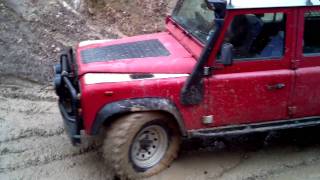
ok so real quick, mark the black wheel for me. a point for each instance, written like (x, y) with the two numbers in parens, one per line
(140, 145)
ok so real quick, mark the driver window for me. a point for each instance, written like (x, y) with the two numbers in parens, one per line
(256, 36)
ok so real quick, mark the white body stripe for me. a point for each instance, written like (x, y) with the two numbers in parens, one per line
(90, 42)
(97, 78)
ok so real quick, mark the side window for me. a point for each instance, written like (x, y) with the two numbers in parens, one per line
(311, 44)
(256, 36)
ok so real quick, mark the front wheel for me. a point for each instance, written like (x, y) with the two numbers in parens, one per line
(140, 145)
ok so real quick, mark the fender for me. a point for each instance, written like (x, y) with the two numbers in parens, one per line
(137, 105)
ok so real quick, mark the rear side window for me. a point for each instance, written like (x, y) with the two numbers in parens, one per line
(311, 44)
(256, 36)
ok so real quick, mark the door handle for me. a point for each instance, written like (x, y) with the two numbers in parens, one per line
(276, 86)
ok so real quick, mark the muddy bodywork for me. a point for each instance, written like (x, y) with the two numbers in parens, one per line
(137, 105)
(175, 67)
(167, 56)
(158, 78)
(153, 53)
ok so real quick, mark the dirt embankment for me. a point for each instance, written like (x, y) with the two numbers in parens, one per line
(33, 32)
(132, 17)
(33, 145)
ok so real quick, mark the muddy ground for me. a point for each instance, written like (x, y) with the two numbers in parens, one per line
(33, 145)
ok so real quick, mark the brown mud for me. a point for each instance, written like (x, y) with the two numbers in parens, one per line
(33, 145)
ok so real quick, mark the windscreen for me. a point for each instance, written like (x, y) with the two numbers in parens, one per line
(195, 17)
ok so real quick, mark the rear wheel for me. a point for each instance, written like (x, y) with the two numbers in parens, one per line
(140, 145)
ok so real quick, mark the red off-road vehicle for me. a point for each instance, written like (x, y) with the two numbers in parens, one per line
(220, 68)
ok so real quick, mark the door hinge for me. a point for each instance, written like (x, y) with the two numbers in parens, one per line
(292, 110)
(295, 64)
(207, 71)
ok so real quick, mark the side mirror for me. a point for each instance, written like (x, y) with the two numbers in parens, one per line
(227, 54)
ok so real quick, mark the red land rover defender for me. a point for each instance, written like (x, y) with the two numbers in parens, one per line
(220, 68)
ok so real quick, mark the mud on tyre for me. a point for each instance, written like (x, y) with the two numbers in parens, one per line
(140, 145)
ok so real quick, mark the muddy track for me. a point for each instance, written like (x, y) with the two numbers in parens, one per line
(31, 130)
(33, 145)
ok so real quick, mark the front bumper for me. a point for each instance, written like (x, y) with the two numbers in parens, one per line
(65, 80)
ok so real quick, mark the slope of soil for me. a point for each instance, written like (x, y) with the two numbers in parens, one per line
(33, 33)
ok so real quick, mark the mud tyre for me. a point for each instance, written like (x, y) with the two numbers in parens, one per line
(140, 145)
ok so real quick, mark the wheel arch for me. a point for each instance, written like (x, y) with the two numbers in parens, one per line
(112, 111)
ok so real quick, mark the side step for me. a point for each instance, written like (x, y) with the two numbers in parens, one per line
(258, 127)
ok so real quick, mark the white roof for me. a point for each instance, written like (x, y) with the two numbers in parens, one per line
(248, 4)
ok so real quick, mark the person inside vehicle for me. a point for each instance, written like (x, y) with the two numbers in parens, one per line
(243, 31)
(251, 38)
(275, 47)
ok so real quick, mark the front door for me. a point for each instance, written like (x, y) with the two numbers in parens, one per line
(257, 87)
